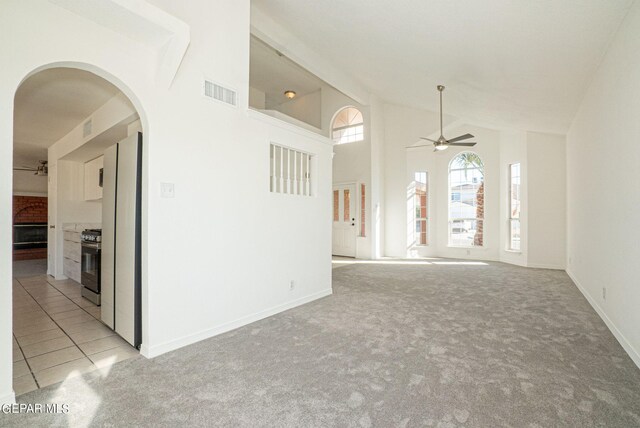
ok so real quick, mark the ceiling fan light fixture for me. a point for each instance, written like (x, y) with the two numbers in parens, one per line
(290, 94)
(441, 147)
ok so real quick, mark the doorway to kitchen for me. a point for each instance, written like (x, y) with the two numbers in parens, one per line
(84, 312)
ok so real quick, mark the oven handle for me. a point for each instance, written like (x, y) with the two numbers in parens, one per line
(93, 245)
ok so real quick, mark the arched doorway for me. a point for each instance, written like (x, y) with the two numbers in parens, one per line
(85, 311)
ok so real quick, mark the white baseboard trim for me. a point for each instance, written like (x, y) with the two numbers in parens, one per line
(156, 350)
(512, 262)
(545, 266)
(8, 398)
(633, 353)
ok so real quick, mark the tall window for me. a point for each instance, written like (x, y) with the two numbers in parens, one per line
(514, 207)
(363, 209)
(348, 126)
(420, 199)
(466, 202)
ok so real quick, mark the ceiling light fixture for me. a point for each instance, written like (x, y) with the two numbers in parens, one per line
(290, 94)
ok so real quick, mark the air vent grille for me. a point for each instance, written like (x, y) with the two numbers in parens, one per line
(86, 128)
(220, 93)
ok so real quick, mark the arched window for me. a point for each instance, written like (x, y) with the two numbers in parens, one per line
(466, 200)
(347, 126)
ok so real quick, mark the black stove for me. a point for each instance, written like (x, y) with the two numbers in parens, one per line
(90, 241)
(91, 235)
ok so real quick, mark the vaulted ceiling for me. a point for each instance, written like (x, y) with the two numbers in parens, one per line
(507, 63)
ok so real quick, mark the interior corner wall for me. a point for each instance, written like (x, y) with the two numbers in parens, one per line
(546, 200)
(603, 188)
(352, 161)
(376, 188)
(306, 108)
(403, 127)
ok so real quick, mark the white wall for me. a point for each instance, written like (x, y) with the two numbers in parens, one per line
(26, 182)
(546, 200)
(603, 188)
(235, 218)
(305, 108)
(257, 98)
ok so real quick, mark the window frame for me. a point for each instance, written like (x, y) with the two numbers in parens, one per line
(510, 216)
(418, 206)
(344, 128)
(450, 192)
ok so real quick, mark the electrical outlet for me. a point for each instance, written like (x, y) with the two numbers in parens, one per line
(167, 190)
(468, 252)
(292, 285)
(604, 293)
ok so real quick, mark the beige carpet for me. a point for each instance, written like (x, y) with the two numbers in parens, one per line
(420, 344)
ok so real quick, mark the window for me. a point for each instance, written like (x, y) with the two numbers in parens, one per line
(290, 171)
(362, 210)
(514, 207)
(466, 201)
(348, 126)
(420, 207)
(347, 204)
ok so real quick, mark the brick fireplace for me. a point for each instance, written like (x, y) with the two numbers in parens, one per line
(30, 225)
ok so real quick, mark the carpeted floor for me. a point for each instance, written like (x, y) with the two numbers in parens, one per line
(474, 345)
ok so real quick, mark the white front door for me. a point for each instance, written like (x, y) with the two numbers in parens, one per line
(344, 220)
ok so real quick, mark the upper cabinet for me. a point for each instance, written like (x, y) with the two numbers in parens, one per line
(92, 179)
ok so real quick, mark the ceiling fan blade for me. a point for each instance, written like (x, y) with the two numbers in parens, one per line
(469, 144)
(461, 137)
(428, 139)
(415, 147)
(24, 169)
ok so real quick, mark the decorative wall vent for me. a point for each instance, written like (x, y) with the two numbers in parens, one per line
(220, 93)
(87, 128)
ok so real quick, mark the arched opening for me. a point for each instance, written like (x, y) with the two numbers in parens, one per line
(78, 153)
(466, 200)
(347, 126)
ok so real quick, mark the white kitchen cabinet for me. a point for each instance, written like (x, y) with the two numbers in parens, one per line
(92, 188)
(71, 251)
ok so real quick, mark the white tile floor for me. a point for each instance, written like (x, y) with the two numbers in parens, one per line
(58, 334)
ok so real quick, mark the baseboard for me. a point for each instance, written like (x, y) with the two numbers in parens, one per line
(8, 398)
(511, 262)
(154, 351)
(633, 353)
(545, 266)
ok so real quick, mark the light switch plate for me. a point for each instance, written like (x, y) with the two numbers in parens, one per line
(167, 190)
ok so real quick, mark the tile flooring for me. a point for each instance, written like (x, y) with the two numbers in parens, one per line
(58, 334)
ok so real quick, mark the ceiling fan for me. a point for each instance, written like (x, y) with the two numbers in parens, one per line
(442, 143)
(41, 169)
